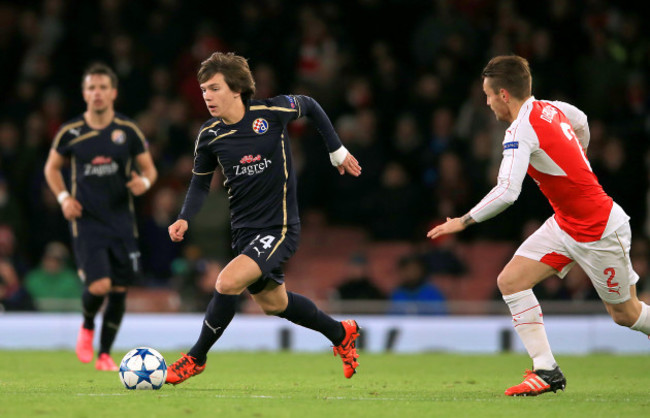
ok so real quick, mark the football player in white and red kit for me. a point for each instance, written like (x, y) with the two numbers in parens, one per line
(548, 140)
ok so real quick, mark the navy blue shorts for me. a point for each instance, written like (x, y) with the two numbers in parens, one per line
(270, 248)
(98, 257)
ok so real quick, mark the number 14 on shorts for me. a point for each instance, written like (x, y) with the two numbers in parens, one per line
(266, 242)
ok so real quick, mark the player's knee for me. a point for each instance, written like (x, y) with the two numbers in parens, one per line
(226, 285)
(506, 284)
(100, 287)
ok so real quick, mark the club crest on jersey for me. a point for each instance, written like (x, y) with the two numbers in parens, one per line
(247, 159)
(118, 136)
(260, 126)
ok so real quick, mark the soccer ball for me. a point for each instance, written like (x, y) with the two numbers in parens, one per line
(143, 368)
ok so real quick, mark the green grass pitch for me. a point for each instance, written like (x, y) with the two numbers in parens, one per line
(54, 383)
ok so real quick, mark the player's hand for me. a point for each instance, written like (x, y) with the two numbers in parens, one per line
(177, 230)
(350, 165)
(71, 208)
(138, 185)
(452, 226)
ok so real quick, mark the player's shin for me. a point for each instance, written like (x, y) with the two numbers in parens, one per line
(90, 304)
(302, 311)
(527, 318)
(218, 315)
(113, 315)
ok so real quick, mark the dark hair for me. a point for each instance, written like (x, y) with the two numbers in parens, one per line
(99, 68)
(509, 72)
(235, 70)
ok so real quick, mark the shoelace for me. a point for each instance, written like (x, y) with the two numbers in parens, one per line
(179, 366)
(347, 352)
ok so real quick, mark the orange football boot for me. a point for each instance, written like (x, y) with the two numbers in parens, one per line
(105, 363)
(538, 382)
(184, 368)
(84, 347)
(347, 349)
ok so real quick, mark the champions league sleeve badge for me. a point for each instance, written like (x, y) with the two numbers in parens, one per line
(118, 136)
(260, 126)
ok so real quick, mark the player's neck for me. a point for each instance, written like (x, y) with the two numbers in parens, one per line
(514, 107)
(99, 120)
(234, 114)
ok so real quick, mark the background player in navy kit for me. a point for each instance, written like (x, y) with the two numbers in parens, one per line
(248, 140)
(102, 146)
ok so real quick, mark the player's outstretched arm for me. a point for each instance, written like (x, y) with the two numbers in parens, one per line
(339, 155)
(452, 226)
(196, 194)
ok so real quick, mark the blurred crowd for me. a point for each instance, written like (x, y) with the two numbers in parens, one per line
(399, 79)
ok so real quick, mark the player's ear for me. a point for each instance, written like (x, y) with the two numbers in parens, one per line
(505, 96)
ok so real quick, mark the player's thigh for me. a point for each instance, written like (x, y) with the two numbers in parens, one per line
(541, 255)
(124, 257)
(608, 265)
(522, 273)
(270, 248)
(273, 299)
(93, 265)
(241, 272)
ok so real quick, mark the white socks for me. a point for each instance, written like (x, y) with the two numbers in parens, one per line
(643, 323)
(529, 323)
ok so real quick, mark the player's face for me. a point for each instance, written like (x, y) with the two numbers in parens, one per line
(496, 102)
(98, 92)
(220, 100)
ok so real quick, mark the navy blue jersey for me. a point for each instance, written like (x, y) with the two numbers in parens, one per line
(101, 165)
(255, 157)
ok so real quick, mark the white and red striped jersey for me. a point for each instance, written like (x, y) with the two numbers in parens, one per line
(548, 140)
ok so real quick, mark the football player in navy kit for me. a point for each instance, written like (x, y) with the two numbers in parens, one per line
(247, 140)
(104, 148)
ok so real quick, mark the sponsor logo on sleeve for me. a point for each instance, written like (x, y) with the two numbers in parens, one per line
(511, 145)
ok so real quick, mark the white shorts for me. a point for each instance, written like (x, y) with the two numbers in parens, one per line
(606, 261)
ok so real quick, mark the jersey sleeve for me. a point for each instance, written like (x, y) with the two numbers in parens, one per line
(292, 107)
(310, 108)
(61, 142)
(578, 120)
(137, 141)
(512, 171)
(205, 162)
(286, 107)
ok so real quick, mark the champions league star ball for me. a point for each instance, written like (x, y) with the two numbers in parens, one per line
(143, 368)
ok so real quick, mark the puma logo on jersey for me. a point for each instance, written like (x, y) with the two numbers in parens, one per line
(75, 131)
(214, 131)
(259, 253)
